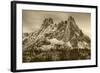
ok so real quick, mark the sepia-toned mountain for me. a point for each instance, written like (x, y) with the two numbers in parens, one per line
(50, 34)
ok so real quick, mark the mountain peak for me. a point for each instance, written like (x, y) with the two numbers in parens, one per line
(66, 31)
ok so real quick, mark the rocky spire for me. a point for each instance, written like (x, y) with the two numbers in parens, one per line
(71, 29)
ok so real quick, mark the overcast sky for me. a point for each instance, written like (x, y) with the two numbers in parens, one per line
(32, 20)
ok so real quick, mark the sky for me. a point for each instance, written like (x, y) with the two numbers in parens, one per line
(32, 19)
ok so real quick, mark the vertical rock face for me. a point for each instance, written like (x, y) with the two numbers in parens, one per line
(71, 29)
(68, 30)
(65, 31)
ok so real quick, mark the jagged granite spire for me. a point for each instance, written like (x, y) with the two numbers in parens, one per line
(71, 29)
